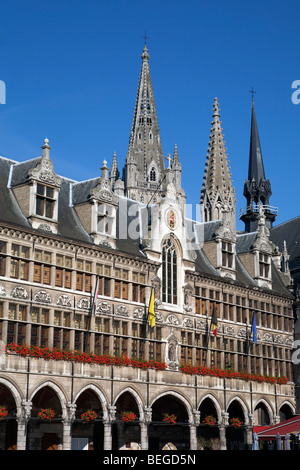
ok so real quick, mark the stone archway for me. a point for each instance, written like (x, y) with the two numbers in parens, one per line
(174, 433)
(236, 438)
(8, 426)
(126, 432)
(46, 434)
(88, 434)
(208, 436)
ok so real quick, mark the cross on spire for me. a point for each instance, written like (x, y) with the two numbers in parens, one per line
(145, 37)
(252, 93)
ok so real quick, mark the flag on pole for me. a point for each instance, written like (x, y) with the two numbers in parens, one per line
(214, 320)
(253, 329)
(151, 312)
(96, 294)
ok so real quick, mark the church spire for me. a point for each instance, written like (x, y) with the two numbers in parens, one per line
(257, 189)
(217, 193)
(144, 157)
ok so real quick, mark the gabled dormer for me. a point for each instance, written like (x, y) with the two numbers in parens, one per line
(96, 204)
(221, 249)
(36, 189)
(258, 258)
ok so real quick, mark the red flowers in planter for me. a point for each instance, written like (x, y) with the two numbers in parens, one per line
(128, 416)
(82, 357)
(169, 418)
(235, 422)
(210, 420)
(3, 412)
(46, 414)
(230, 374)
(88, 416)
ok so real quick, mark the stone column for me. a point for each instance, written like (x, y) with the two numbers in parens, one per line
(107, 445)
(222, 430)
(144, 428)
(144, 436)
(22, 421)
(67, 426)
(193, 430)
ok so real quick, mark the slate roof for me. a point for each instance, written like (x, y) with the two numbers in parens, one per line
(72, 192)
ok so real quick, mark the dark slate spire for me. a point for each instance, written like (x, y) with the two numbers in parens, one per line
(257, 189)
(256, 170)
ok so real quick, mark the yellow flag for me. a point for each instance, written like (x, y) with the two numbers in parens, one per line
(151, 312)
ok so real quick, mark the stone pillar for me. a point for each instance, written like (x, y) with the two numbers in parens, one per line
(193, 437)
(249, 436)
(193, 430)
(222, 433)
(67, 426)
(22, 421)
(144, 436)
(107, 445)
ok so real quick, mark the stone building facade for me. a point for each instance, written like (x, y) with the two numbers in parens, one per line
(78, 264)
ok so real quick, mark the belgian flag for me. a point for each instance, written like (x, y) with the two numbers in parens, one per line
(151, 312)
(214, 320)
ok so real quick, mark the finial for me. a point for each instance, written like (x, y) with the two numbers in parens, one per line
(46, 144)
(145, 37)
(216, 108)
(252, 93)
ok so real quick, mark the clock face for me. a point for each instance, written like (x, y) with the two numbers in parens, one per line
(171, 219)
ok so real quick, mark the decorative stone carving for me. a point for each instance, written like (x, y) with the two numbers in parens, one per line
(112, 412)
(229, 330)
(172, 352)
(139, 313)
(148, 414)
(267, 338)
(187, 323)
(44, 170)
(172, 319)
(83, 303)
(42, 297)
(278, 339)
(19, 292)
(103, 307)
(122, 310)
(64, 301)
(45, 228)
(2, 291)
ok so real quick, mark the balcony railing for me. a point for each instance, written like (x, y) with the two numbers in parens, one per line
(256, 207)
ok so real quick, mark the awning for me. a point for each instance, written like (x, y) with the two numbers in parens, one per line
(290, 426)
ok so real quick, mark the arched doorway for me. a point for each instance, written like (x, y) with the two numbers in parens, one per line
(8, 425)
(235, 432)
(176, 431)
(87, 428)
(208, 432)
(45, 426)
(126, 429)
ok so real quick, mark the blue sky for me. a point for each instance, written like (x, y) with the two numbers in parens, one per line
(71, 70)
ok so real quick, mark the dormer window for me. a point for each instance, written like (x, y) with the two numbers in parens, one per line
(105, 219)
(45, 201)
(264, 265)
(227, 254)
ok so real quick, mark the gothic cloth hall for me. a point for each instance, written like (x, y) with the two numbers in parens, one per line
(124, 323)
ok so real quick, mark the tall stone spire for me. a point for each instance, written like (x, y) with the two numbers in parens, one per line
(217, 193)
(144, 166)
(257, 189)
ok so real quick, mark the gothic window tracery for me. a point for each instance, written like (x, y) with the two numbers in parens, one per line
(169, 272)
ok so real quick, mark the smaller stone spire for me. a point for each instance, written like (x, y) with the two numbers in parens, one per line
(217, 193)
(114, 172)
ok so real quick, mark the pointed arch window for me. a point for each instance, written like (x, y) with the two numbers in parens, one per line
(152, 174)
(169, 272)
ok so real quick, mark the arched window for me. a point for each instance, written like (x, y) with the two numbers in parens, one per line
(169, 272)
(153, 174)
